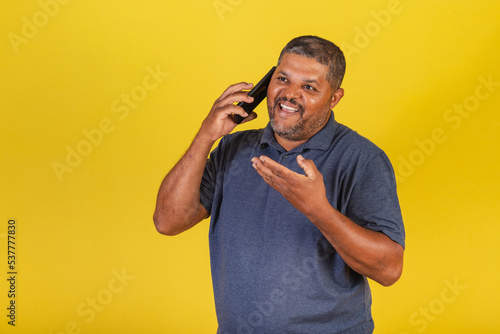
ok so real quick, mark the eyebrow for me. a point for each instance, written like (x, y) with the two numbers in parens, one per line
(311, 81)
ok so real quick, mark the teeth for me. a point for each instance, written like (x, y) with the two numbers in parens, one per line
(288, 108)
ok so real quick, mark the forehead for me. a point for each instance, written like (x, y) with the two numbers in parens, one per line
(302, 67)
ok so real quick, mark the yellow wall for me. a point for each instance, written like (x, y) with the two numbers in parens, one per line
(100, 98)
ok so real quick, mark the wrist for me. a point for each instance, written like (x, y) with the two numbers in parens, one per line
(202, 139)
(319, 212)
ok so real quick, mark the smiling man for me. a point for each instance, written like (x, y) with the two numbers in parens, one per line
(302, 211)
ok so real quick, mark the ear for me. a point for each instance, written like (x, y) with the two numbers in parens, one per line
(337, 96)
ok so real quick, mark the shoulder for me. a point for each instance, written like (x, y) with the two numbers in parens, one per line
(355, 146)
(236, 143)
(241, 138)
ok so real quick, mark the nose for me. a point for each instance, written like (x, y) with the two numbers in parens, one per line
(292, 92)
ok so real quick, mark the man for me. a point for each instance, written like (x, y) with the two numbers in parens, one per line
(302, 212)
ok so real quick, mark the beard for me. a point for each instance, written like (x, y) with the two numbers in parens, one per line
(301, 130)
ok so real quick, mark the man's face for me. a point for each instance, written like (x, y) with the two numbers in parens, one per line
(299, 98)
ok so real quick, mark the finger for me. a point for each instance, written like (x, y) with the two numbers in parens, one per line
(252, 116)
(267, 174)
(265, 171)
(276, 169)
(240, 96)
(228, 111)
(260, 167)
(308, 166)
(235, 88)
(227, 107)
(277, 176)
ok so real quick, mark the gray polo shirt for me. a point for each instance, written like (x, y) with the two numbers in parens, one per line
(272, 269)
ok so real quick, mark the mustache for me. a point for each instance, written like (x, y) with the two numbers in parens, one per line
(292, 101)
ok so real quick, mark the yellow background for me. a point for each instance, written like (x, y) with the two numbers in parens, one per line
(410, 63)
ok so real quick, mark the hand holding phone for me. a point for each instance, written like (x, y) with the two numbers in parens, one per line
(258, 92)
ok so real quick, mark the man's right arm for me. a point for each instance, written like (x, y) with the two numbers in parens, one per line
(178, 206)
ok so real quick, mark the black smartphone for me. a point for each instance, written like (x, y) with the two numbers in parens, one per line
(258, 92)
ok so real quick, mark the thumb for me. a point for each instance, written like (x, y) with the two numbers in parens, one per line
(250, 117)
(308, 166)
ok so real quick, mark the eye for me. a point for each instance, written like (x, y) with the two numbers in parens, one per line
(282, 79)
(309, 88)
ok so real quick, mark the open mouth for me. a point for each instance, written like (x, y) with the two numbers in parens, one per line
(286, 109)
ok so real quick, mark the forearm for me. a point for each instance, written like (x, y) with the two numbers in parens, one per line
(369, 253)
(178, 204)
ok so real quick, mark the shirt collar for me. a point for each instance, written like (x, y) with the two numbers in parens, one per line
(320, 141)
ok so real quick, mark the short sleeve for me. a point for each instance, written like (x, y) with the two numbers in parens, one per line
(210, 175)
(207, 187)
(374, 203)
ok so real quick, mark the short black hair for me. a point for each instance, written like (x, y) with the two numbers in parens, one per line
(324, 51)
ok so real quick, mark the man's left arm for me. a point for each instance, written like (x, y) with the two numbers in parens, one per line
(369, 253)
